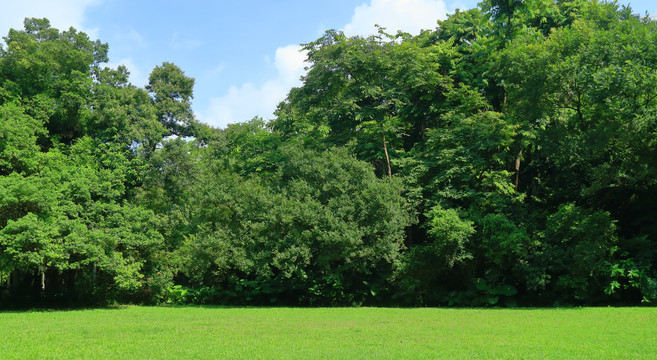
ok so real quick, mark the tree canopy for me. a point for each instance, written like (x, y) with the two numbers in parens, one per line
(507, 157)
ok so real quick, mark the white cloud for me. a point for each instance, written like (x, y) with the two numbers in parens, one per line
(410, 16)
(62, 14)
(242, 103)
(290, 62)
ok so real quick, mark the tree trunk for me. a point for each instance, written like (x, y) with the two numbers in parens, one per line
(43, 279)
(517, 169)
(385, 149)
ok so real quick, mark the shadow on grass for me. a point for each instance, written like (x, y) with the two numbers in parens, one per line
(30, 309)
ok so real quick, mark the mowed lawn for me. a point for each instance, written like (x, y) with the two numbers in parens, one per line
(329, 333)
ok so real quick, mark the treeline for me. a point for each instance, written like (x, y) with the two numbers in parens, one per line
(508, 157)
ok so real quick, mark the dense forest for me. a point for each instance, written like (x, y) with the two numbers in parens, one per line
(506, 158)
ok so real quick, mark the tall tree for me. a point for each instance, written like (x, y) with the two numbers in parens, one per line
(172, 93)
(51, 72)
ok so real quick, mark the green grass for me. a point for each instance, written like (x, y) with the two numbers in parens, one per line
(329, 333)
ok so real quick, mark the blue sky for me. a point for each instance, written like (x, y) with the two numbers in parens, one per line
(243, 54)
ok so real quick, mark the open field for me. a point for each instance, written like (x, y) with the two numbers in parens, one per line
(335, 333)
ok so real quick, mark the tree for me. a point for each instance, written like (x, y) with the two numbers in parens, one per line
(377, 94)
(123, 113)
(19, 133)
(585, 94)
(51, 72)
(172, 93)
(322, 230)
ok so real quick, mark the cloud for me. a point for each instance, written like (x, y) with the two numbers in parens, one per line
(290, 62)
(62, 14)
(410, 16)
(242, 103)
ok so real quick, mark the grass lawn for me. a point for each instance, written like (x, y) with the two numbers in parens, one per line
(329, 333)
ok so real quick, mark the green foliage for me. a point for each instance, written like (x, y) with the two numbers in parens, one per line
(323, 221)
(506, 158)
(19, 151)
(450, 235)
(375, 94)
(250, 148)
(42, 64)
(577, 251)
(172, 92)
(123, 113)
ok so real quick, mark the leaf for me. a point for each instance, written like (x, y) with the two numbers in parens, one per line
(493, 300)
